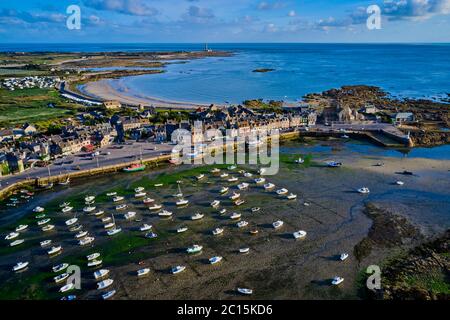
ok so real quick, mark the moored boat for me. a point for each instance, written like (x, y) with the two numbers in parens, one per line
(194, 249)
(135, 168)
(104, 284)
(215, 260)
(197, 216)
(20, 266)
(178, 269)
(299, 234)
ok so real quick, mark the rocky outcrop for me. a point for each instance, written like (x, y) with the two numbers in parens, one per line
(429, 138)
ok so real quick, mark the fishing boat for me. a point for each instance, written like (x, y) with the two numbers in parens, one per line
(86, 241)
(243, 186)
(344, 256)
(277, 224)
(89, 209)
(54, 250)
(400, 183)
(139, 189)
(134, 168)
(155, 207)
(363, 190)
(291, 196)
(38, 210)
(178, 269)
(20, 266)
(217, 231)
(235, 216)
(61, 277)
(182, 202)
(269, 186)
(194, 249)
(71, 222)
(60, 267)
(16, 243)
(12, 236)
(43, 222)
(113, 232)
(118, 198)
(108, 295)
(143, 272)
(200, 177)
(224, 190)
(165, 214)
(282, 191)
(48, 227)
(94, 263)
(197, 216)
(67, 287)
(104, 284)
(101, 274)
(182, 229)
(111, 194)
(215, 203)
(232, 179)
(224, 175)
(239, 202)
(129, 215)
(145, 227)
(45, 243)
(245, 291)
(242, 224)
(334, 164)
(148, 201)
(235, 196)
(66, 209)
(215, 260)
(65, 204)
(151, 235)
(140, 195)
(256, 209)
(299, 234)
(244, 250)
(300, 161)
(89, 199)
(93, 256)
(337, 281)
(22, 227)
(260, 180)
(121, 207)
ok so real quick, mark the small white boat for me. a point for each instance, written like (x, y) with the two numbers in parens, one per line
(277, 224)
(86, 241)
(139, 189)
(400, 183)
(215, 203)
(66, 209)
(245, 291)
(106, 219)
(235, 216)
(269, 186)
(178, 269)
(231, 168)
(42, 222)
(61, 277)
(76, 228)
(248, 175)
(101, 273)
(48, 227)
(223, 211)
(67, 287)
(140, 195)
(300, 161)
(151, 235)
(38, 210)
(364, 190)
(12, 236)
(262, 171)
(22, 227)
(244, 250)
(89, 209)
(108, 295)
(224, 175)
(60, 267)
(215, 170)
(282, 191)
(337, 281)
(54, 250)
(155, 207)
(94, 263)
(65, 204)
(200, 177)
(182, 202)
(93, 256)
(260, 180)
(121, 207)
(291, 196)
(256, 209)
(232, 179)
(99, 213)
(299, 234)
(118, 198)
(158, 185)
(45, 243)
(40, 216)
(224, 190)
(217, 231)
(243, 186)
(334, 164)
(111, 194)
(235, 196)
(343, 256)
(89, 199)
(143, 272)
(113, 232)
(109, 225)
(242, 224)
(71, 222)
(129, 215)
(148, 201)
(165, 214)
(239, 202)
(182, 229)
(20, 266)
(215, 260)
(145, 227)
(16, 243)
(194, 249)
(197, 216)
(104, 284)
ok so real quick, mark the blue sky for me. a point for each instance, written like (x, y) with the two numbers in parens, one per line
(212, 21)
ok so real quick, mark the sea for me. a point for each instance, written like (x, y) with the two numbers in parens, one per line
(402, 70)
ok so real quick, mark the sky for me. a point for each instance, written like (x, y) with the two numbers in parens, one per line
(220, 21)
